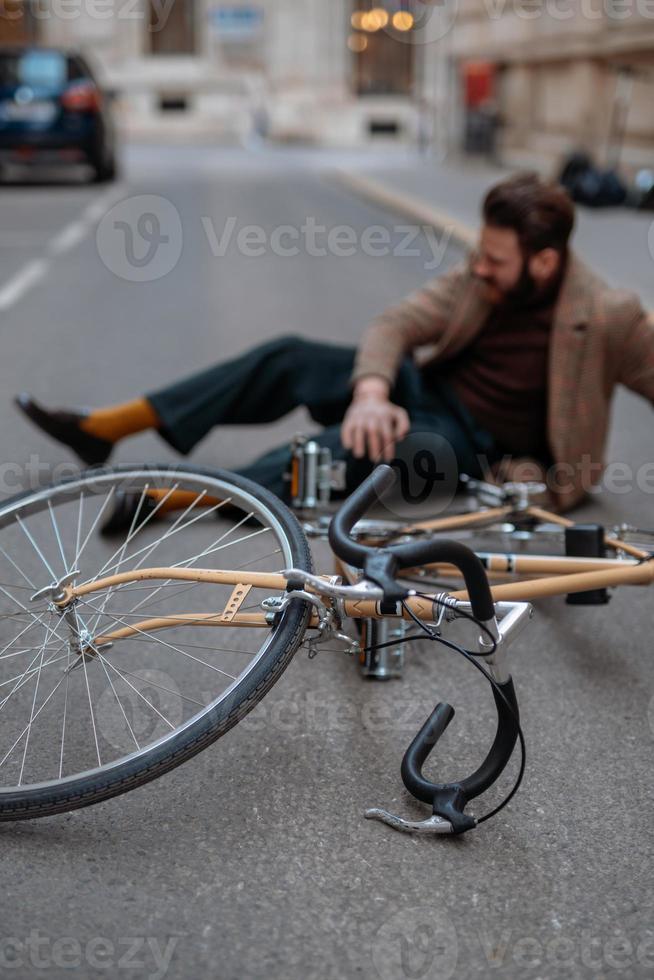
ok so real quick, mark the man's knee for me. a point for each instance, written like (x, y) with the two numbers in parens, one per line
(289, 349)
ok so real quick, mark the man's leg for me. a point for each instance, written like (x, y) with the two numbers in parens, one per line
(260, 386)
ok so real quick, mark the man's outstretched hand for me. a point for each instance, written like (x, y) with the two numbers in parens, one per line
(372, 424)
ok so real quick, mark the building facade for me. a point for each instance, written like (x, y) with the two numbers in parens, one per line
(563, 75)
(293, 69)
(543, 76)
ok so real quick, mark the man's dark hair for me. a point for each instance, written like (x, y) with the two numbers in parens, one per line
(540, 212)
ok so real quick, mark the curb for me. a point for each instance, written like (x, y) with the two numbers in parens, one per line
(410, 207)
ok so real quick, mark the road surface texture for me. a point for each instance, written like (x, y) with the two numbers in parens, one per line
(253, 860)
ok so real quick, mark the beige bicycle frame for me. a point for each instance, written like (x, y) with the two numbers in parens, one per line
(587, 575)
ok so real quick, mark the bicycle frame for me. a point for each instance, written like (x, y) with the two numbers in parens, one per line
(565, 576)
(500, 611)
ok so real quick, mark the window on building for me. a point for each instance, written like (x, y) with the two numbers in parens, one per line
(382, 55)
(237, 34)
(172, 27)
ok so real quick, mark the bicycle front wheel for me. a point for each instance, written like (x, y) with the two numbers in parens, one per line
(99, 698)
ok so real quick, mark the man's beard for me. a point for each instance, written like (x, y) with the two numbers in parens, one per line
(527, 292)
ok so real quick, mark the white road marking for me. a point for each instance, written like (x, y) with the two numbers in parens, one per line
(95, 211)
(68, 238)
(19, 284)
(65, 240)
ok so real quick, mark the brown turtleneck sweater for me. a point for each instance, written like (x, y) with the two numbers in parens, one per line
(501, 378)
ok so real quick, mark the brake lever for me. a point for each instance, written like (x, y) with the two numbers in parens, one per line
(432, 825)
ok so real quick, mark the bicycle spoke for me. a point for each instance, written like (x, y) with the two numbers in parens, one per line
(97, 520)
(189, 561)
(49, 663)
(63, 724)
(49, 697)
(88, 691)
(170, 646)
(107, 565)
(55, 527)
(149, 551)
(22, 679)
(160, 687)
(164, 537)
(20, 571)
(136, 691)
(109, 593)
(31, 540)
(29, 726)
(120, 703)
(78, 536)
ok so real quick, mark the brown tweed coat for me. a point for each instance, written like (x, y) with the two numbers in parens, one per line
(600, 337)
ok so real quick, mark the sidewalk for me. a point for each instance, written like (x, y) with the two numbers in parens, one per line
(617, 243)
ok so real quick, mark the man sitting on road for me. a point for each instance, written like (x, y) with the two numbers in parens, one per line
(527, 345)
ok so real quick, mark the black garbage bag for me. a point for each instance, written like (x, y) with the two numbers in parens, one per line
(589, 184)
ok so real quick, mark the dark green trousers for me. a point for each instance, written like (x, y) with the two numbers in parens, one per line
(274, 378)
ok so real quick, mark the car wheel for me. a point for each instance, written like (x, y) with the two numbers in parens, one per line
(105, 171)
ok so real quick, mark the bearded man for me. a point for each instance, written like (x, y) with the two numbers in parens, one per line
(512, 357)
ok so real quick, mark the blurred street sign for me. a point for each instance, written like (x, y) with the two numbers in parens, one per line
(236, 23)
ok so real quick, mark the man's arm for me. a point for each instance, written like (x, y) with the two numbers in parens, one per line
(372, 424)
(635, 357)
(420, 319)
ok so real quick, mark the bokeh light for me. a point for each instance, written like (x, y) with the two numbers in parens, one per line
(357, 43)
(403, 20)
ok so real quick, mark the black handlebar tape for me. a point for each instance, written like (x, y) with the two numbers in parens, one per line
(352, 510)
(416, 755)
(450, 799)
(508, 722)
(447, 799)
(451, 553)
(406, 555)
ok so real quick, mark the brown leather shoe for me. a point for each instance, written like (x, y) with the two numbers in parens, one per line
(64, 426)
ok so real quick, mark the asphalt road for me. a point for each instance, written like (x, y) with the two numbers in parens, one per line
(253, 859)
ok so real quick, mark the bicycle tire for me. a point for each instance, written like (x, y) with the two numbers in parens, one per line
(87, 788)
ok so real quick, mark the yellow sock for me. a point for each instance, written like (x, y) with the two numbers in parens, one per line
(118, 421)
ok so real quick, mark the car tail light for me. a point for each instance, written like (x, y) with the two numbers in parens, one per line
(82, 97)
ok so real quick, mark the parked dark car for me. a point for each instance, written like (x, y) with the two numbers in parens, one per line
(53, 111)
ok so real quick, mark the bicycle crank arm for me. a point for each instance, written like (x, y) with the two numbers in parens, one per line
(432, 825)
